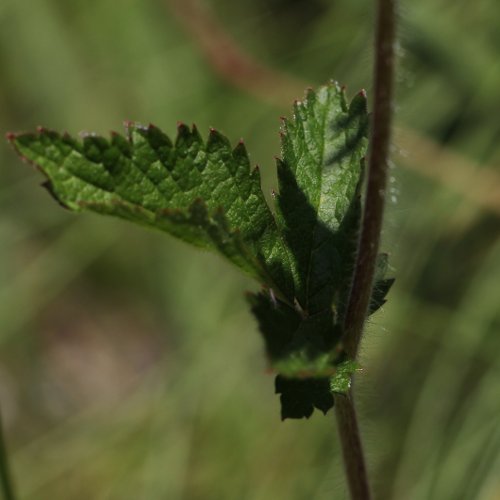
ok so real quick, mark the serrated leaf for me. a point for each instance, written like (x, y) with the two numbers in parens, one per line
(299, 397)
(382, 285)
(297, 346)
(380, 290)
(206, 194)
(319, 214)
(201, 192)
(319, 205)
(303, 352)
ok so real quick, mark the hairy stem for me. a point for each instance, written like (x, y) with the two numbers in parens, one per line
(364, 272)
(377, 179)
(352, 448)
(5, 478)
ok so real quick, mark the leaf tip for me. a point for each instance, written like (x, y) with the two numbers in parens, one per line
(240, 152)
(216, 139)
(128, 124)
(297, 105)
(182, 129)
(214, 134)
(285, 123)
(11, 136)
(310, 94)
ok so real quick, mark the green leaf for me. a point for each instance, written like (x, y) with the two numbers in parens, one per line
(319, 204)
(297, 346)
(201, 192)
(299, 397)
(319, 215)
(205, 193)
(304, 351)
(382, 284)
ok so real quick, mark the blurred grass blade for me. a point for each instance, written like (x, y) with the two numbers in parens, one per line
(5, 476)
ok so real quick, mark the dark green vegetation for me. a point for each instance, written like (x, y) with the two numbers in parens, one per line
(115, 380)
(206, 194)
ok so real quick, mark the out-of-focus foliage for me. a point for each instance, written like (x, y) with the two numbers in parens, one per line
(113, 374)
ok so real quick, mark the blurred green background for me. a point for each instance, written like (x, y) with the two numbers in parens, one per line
(130, 367)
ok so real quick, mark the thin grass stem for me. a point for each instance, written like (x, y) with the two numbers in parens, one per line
(5, 476)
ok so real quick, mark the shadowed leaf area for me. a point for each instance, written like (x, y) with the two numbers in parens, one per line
(205, 193)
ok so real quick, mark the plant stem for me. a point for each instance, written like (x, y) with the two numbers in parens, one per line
(5, 478)
(377, 179)
(364, 272)
(352, 449)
